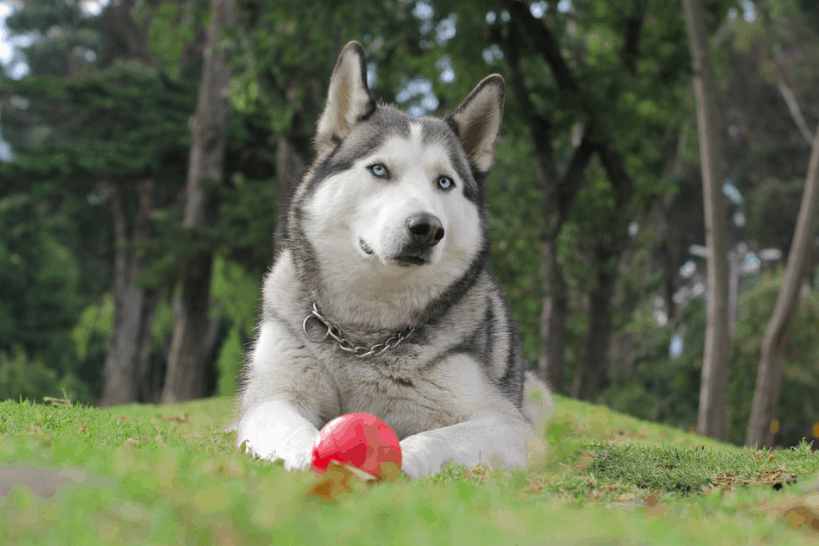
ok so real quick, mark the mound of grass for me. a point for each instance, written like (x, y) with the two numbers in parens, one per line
(146, 474)
(686, 470)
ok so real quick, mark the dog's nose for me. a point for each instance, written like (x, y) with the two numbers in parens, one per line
(426, 229)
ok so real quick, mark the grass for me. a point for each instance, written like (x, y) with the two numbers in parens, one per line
(146, 474)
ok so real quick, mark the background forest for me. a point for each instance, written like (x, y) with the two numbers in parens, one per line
(598, 232)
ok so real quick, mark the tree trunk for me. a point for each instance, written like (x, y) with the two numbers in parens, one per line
(288, 171)
(586, 381)
(134, 306)
(554, 303)
(769, 376)
(667, 252)
(553, 317)
(712, 420)
(185, 377)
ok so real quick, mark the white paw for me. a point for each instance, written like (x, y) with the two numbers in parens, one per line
(297, 461)
(423, 456)
(296, 455)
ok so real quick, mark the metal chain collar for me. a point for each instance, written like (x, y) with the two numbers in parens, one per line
(335, 334)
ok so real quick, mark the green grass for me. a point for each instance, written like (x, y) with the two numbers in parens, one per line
(146, 474)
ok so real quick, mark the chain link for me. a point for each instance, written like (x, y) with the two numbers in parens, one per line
(336, 335)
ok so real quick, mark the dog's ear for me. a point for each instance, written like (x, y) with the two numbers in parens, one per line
(348, 100)
(477, 121)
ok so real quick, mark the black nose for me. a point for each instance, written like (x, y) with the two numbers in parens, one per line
(426, 229)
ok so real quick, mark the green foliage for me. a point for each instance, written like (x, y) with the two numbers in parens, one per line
(235, 296)
(798, 405)
(95, 324)
(771, 213)
(662, 388)
(247, 221)
(174, 35)
(21, 377)
(515, 254)
(666, 389)
(68, 31)
(118, 123)
(285, 52)
(120, 126)
(40, 287)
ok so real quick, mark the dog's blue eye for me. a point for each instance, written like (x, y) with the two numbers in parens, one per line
(379, 170)
(445, 183)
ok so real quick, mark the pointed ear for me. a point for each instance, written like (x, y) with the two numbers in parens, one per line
(348, 100)
(478, 121)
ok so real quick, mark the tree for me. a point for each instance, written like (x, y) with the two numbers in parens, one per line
(194, 332)
(769, 377)
(712, 420)
(109, 133)
(134, 305)
(558, 192)
(90, 161)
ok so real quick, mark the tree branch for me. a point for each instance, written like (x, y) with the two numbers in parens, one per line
(540, 126)
(631, 38)
(569, 184)
(790, 97)
(616, 172)
(546, 46)
(545, 43)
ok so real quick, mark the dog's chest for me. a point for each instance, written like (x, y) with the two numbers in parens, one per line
(399, 389)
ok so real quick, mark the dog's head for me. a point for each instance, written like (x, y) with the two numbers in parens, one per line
(393, 207)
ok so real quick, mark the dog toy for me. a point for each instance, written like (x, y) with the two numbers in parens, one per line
(361, 441)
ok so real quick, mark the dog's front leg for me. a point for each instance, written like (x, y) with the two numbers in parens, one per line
(495, 441)
(279, 429)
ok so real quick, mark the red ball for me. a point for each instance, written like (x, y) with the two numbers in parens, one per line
(358, 439)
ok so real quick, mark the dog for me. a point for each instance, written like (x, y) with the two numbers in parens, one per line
(381, 300)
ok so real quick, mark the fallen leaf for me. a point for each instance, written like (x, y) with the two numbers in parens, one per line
(802, 515)
(798, 511)
(337, 480)
(58, 401)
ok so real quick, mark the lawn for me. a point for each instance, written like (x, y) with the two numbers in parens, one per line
(146, 474)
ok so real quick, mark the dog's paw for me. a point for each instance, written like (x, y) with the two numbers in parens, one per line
(298, 461)
(293, 459)
(420, 458)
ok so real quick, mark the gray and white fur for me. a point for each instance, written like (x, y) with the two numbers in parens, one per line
(388, 230)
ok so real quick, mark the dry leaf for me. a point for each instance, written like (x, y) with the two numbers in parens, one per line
(799, 511)
(390, 472)
(337, 480)
(58, 401)
(802, 515)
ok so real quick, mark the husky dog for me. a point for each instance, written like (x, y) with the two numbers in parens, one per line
(382, 302)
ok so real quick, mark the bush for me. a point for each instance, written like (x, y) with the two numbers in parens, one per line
(21, 377)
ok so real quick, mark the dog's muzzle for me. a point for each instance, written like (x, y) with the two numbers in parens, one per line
(426, 229)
